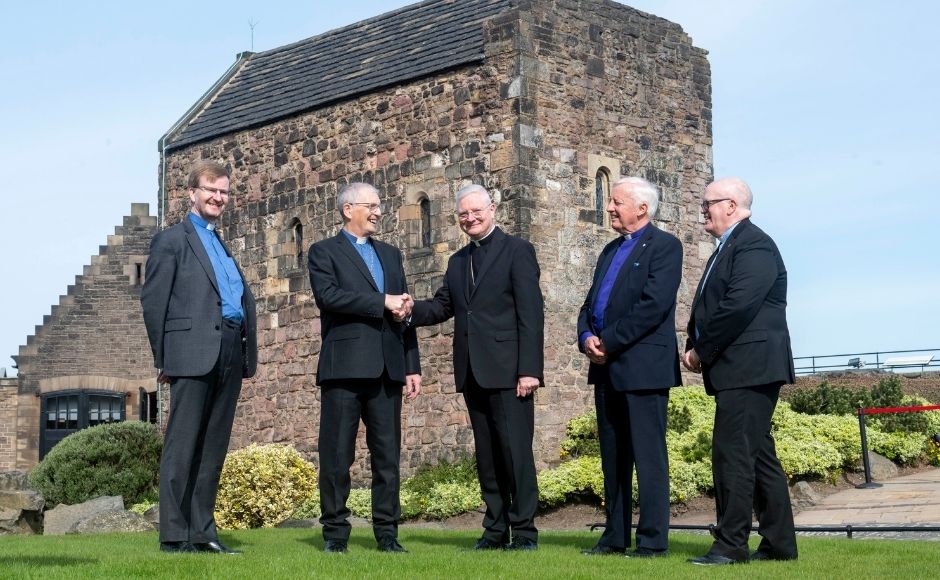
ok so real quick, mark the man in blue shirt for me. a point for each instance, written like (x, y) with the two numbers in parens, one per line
(200, 319)
(627, 329)
(369, 358)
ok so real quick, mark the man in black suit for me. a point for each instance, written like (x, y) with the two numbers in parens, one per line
(200, 319)
(366, 357)
(491, 289)
(627, 328)
(738, 340)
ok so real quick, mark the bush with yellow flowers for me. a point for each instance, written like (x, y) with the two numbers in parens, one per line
(262, 485)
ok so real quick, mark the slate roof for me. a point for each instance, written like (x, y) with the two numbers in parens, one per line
(408, 43)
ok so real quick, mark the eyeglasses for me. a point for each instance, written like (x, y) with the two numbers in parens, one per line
(474, 213)
(707, 203)
(372, 207)
(212, 190)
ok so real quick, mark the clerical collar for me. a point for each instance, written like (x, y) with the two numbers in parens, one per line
(199, 221)
(485, 239)
(354, 238)
(635, 234)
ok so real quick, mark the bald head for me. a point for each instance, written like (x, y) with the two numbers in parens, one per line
(726, 202)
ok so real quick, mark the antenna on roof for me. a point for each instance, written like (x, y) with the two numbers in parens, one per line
(251, 26)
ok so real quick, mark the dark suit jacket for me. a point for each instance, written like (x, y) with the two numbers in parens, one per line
(640, 320)
(360, 338)
(183, 308)
(740, 316)
(498, 328)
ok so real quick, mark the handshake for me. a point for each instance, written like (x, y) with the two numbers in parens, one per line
(399, 305)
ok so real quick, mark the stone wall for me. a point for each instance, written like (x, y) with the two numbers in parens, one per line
(563, 85)
(8, 399)
(601, 86)
(94, 338)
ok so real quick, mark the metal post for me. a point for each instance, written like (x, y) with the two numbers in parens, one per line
(869, 484)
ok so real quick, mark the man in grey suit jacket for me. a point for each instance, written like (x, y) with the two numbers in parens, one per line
(738, 339)
(627, 329)
(200, 319)
(367, 355)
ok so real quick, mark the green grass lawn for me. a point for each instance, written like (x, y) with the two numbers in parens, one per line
(292, 553)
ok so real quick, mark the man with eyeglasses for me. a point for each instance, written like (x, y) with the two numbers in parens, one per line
(627, 330)
(738, 339)
(200, 319)
(367, 355)
(491, 290)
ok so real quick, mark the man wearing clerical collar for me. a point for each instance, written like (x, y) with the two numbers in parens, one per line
(627, 330)
(368, 356)
(491, 289)
(200, 319)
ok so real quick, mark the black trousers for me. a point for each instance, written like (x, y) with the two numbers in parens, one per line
(202, 410)
(503, 428)
(342, 404)
(631, 428)
(748, 477)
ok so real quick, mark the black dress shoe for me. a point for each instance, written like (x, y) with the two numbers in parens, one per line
(646, 553)
(762, 555)
(602, 550)
(336, 547)
(711, 559)
(389, 544)
(488, 544)
(176, 547)
(522, 544)
(215, 547)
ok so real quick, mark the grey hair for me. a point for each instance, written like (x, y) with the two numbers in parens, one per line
(642, 191)
(472, 189)
(350, 193)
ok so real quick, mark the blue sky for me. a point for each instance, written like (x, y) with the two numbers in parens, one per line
(828, 108)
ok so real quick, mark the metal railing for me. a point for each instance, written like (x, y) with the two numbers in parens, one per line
(888, 361)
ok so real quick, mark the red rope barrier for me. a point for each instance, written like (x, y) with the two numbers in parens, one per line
(877, 410)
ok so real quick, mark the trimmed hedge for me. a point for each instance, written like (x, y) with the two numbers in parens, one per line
(111, 459)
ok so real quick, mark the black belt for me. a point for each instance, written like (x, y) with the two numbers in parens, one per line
(232, 323)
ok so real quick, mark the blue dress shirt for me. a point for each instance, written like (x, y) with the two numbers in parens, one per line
(227, 276)
(370, 257)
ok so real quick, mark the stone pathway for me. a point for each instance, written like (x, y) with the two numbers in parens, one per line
(912, 500)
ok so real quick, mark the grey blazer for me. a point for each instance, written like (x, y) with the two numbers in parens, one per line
(183, 308)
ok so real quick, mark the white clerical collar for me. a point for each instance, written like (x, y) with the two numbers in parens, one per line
(488, 234)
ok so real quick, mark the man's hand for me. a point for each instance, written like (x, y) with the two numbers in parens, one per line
(594, 349)
(399, 305)
(691, 361)
(525, 386)
(412, 386)
(162, 378)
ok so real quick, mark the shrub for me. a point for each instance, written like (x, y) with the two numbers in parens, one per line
(262, 485)
(442, 490)
(828, 400)
(581, 436)
(110, 459)
(579, 476)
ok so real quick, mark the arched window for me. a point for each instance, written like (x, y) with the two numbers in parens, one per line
(65, 412)
(425, 223)
(601, 194)
(297, 230)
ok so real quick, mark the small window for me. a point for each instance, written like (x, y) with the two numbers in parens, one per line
(148, 406)
(298, 232)
(425, 223)
(138, 274)
(601, 194)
